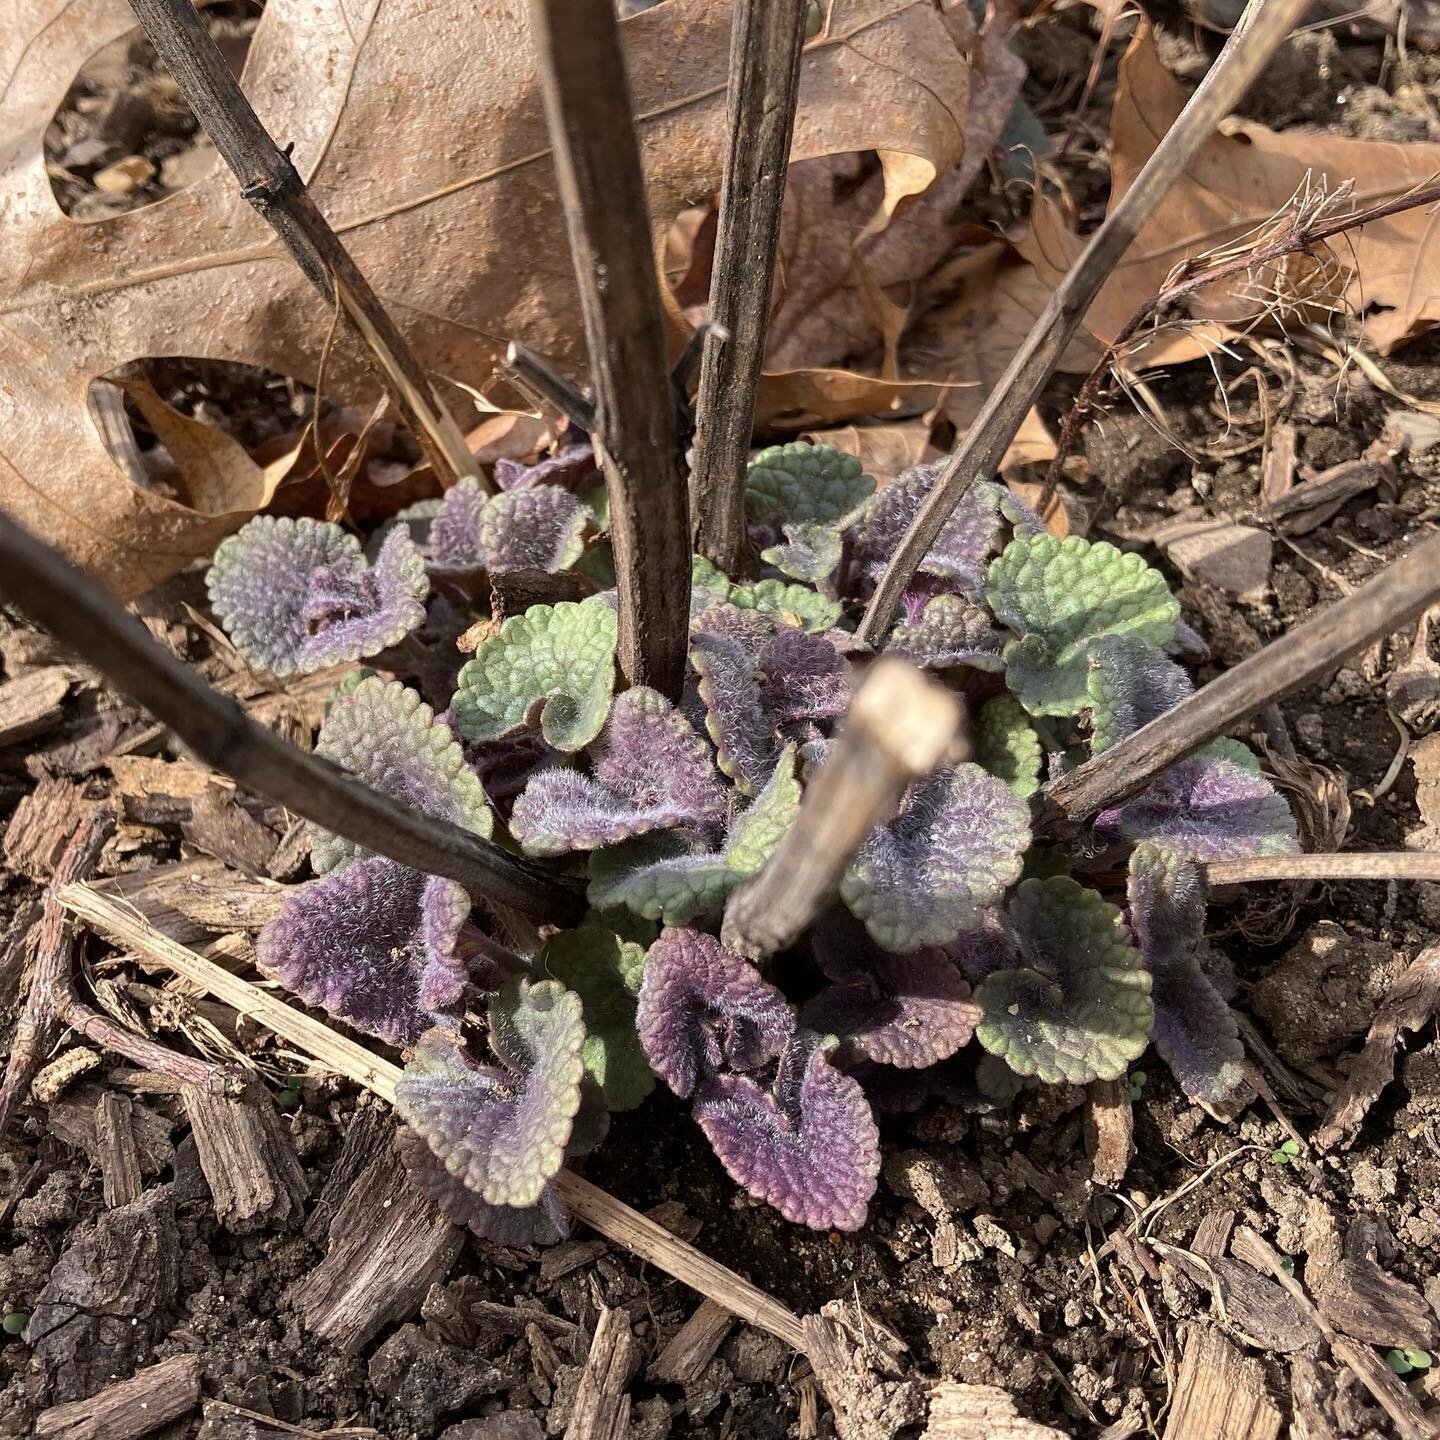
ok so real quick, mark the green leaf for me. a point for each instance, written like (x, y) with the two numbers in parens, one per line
(558, 657)
(799, 481)
(1076, 1005)
(810, 553)
(708, 586)
(1007, 746)
(663, 878)
(794, 604)
(605, 972)
(1059, 596)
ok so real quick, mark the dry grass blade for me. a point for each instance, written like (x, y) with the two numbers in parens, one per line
(342, 1056)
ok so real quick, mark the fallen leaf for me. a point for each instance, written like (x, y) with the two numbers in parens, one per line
(1238, 181)
(884, 450)
(420, 133)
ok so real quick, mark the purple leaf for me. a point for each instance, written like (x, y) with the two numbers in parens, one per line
(298, 595)
(809, 1147)
(375, 944)
(908, 1011)
(502, 1129)
(540, 527)
(572, 466)
(1131, 683)
(703, 1007)
(1195, 1031)
(651, 772)
(1215, 805)
(950, 631)
(384, 734)
(929, 874)
(455, 544)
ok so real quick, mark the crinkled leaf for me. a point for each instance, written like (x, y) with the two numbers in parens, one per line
(664, 878)
(502, 1129)
(807, 483)
(539, 527)
(1007, 746)
(1060, 596)
(298, 595)
(375, 944)
(572, 466)
(907, 1011)
(605, 972)
(455, 543)
(950, 631)
(558, 657)
(810, 553)
(809, 1148)
(1131, 683)
(544, 1223)
(954, 848)
(792, 604)
(651, 772)
(986, 516)
(383, 733)
(1195, 1032)
(1215, 805)
(702, 1008)
(1076, 1004)
(709, 587)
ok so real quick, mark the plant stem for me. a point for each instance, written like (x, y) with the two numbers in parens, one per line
(534, 375)
(1380, 606)
(89, 619)
(273, 186)
(1194, 275)
(766, 38)
(1261, 29)
(602, 187)
(1371, 865)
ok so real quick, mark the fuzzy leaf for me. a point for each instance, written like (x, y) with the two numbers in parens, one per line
(1196, 1032)
(1060, 596)
(539, 527)
(1213, 806)
(544, 1223)
(709, 587)
(1131, 683)
(809, 1148)
(1076, 1005)
(502, 1129)
(559, 657)
(651, 772)
(383, 733)
(455, 543)
(605, 972)
(790, 604)
(375, 944)
(572, 466)
(1007, 746)
(298, 595)
(702, 1008)
(663, 878)
(950, 631)
(953, 850)
(806, 483)
(810, 553)
(906, 1011)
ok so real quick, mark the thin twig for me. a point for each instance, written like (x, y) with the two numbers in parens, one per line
(344, 1056)
(899, 728)
(1372, 865)
(532, 374)
(1259, 33)
(602, 187)
(1301, 237)
(270, 182)
(766, 38)
(1383, 604)
(89, 619)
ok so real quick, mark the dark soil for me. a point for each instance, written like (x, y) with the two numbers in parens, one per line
(1028, 1296)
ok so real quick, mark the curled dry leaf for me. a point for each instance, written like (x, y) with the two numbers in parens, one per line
(200, 270)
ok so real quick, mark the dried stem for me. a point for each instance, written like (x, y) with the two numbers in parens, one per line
(1382, 605)
(533, 375)
(766, 38)
(602, 187)
(1299, 238)
(89, 619)
(344, 1056)
(899, 728)
(1374, 865)
(1260, 31)
(273, 186)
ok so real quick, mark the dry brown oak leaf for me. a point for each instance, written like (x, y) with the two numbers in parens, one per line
(420, 133)
(1240, 179)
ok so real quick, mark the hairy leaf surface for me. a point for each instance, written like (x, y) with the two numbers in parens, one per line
(813, 484)
(1007, 746)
